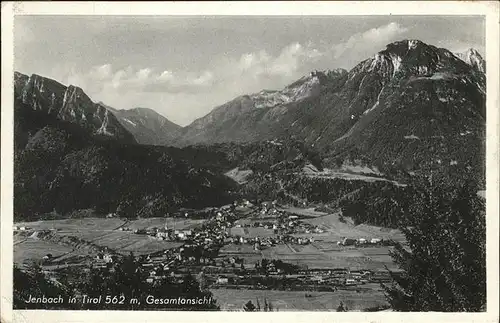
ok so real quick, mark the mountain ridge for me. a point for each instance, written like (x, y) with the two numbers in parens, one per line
(71, 103)
(67, 103)
(413, 84)
(400, 100)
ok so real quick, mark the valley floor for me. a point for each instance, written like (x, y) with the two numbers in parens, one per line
(313, 245)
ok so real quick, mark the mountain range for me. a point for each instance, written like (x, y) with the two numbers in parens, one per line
(410, 108)
(411, 104)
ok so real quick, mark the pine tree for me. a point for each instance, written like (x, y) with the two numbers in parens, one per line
(445, 268)
(249, 307)
(270, 306)
(341, 308)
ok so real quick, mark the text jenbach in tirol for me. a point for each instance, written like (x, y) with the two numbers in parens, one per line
(119, 300)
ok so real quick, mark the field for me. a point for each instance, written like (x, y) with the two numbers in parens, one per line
(102, 232)
(317, 255)
(370, 295)
(349, 173)
(239, 176)
(323, 253)
(244, 251)
(71, 225)
(336, 230)
(126, 242)
(310, 212)
(313, 256)
(173, 223)
(29, 250)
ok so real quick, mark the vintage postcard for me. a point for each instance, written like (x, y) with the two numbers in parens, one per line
(193, 161)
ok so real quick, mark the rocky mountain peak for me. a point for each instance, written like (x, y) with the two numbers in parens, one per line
(307, 86)
(335, 72)
(412, 57)
(67, 103)
(474, 59)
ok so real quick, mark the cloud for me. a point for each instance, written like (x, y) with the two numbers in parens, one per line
(369, 39)
(298, 59)
(195, 93)
(101, 72)
(290, 60)
(134, 80)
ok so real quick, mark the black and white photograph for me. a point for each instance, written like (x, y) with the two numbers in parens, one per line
(250, 163)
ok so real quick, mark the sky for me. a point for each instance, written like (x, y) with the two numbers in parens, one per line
(183, 67)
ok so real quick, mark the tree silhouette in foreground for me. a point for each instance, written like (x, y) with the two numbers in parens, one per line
(249, 307)
(123, 282)
(34, 284)
(129, 279)
(342, 308)
(445, 268)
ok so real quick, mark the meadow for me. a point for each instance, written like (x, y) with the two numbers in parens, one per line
(101, 232)
(172, 223)
(369, 296)
(31, 250)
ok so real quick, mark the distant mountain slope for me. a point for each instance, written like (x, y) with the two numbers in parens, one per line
(417, 105)
(68, 104)
(147, 126)
(262, 115)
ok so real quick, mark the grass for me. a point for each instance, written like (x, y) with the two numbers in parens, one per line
(336, 229)
(233, 299)
(173, 223)
(99, 231)
(347, 174)
(323, 252)
(33, 250)
(327, 256)
(239, 176)
(244, 251)
(85, 224)
(310, 212)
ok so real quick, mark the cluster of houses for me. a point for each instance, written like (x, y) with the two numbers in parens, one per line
(305, 278)
(201, 244)
(364, 242)
(344, 276)
(264, 242)
(285, 222)
(104, 258)
(20, 228)
(297, 226)
(165, 233)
